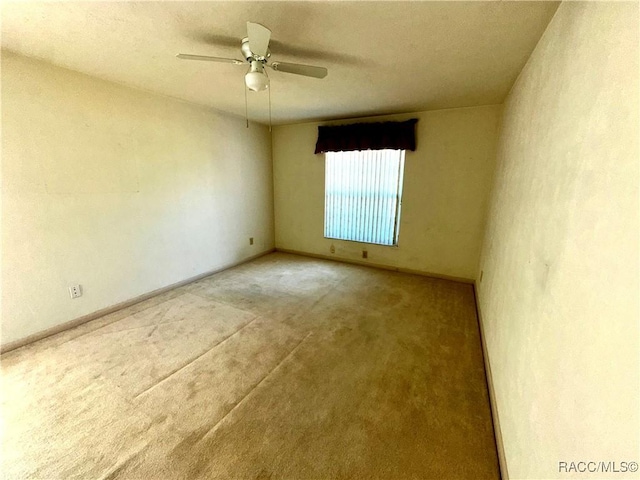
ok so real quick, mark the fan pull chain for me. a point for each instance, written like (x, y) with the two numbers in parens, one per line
(269, 88)
(269, 107)
(246, 106)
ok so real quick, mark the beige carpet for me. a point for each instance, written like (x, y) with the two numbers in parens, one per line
(285, 367)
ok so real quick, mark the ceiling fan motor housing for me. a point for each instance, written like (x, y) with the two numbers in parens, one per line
(249, 55)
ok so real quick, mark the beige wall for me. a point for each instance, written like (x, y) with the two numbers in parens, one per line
(121, 191)
(560, 291)
(446, 187)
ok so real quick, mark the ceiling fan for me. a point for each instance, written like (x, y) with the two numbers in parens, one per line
(255, 50)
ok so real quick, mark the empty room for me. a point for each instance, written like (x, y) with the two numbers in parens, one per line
(320, 240)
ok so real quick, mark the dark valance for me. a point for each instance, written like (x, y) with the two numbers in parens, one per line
(367, 136)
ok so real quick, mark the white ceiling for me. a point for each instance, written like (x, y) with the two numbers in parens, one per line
(383, 57)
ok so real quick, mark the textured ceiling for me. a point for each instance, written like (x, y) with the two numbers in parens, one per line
(383, 57)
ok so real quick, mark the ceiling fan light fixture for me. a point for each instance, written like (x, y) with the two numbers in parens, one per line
(256, 81)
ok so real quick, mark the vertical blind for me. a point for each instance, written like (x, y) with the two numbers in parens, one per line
(362, 195)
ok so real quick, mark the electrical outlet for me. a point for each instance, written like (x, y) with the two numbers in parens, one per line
(365, 254)
(75, 291)
(332, 249)
(250, 240)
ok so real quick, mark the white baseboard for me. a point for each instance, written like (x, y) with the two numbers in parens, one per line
(376, 265)
(502, 460)
(119, 306)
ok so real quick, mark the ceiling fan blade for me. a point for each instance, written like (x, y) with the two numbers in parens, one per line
(259, 36)
(206, 58)
(298, 69)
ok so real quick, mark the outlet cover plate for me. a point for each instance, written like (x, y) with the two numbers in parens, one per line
(75, 291)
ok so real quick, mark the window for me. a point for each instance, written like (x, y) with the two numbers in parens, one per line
(363, 191)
